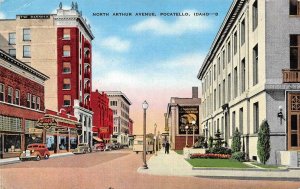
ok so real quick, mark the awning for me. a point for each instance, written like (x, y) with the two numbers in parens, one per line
(97, 139)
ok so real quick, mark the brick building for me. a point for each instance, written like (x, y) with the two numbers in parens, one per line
(21, 104)
(103, 116)
(58, 45)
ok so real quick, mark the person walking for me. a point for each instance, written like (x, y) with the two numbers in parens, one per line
(167, 147)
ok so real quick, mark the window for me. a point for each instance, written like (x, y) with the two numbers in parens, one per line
(215, 72)
(67, 83)
(220, 103)
(223, 92)
(26, 34)
(38, 103)
(113, 103)
(12, 52)
(66, 34)
(10, 95)
(294, 51)
(243, 75)
(233, 123)
(241, 117)
(67, 100)
(229, 87)
(66, 50)
(33, 102)
(223, 59)
(255, 117)
(26, 51)
(12, 38)
(218, 124)
(28, 100)
(255, 65)
(235, 82)
(219, 65)
(228, 51)
(294, 7)
(243, 32)
(66, 67)
(2, 94)
(254, 15)
(215, 99)
(17, 97)
(234, 43)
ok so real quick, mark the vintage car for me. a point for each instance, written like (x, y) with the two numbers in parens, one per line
(35, 151)
(82, 149)
(99, 146)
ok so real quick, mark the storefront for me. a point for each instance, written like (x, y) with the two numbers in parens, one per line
(60, 131)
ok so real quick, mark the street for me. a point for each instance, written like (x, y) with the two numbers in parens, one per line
(114, 169)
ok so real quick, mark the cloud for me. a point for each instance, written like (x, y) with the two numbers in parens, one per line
(1, 1)
(185, 60)
(116, 44)
(180, 26)
(2, 15)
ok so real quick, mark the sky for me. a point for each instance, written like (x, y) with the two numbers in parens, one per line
(150, 58)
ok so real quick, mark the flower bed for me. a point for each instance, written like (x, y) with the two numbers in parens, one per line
(211, 156)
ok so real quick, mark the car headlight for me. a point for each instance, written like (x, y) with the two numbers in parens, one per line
(32, 151)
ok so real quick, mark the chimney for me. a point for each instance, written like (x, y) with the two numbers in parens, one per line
(195, 92)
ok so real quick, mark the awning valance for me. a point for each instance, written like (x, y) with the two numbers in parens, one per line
(97, 139)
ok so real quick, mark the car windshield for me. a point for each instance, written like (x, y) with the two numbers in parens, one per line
(32, 146)
(81, 145)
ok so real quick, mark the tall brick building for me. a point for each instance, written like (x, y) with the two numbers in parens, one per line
(58, 45)
(103, 116)
(21, 104)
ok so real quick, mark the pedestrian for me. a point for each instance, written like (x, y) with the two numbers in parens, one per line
(167, 147)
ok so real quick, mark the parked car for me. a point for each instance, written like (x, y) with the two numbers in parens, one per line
(108, 147)
(35, 151)
(99, 146)
(82, 149)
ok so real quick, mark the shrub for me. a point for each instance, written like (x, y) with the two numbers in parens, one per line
(201, 143)
(210, 142)
(210, 156)
(239, 156)
(263, 143)
(221, 150)
(236, 141)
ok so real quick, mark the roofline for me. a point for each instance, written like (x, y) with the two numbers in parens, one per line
(230, 17)
(118, 93)
(22, 65)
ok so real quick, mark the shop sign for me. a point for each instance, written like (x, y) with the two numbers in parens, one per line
(188, 114)
(35, 16)
(35, 131)
(104, 130)
(46, 122)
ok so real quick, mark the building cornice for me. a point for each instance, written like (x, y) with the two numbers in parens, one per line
(227, 24)
(6, 57)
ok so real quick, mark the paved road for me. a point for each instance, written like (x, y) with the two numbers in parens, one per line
(116, 169)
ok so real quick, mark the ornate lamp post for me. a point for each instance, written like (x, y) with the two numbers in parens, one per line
(193, 122)
(145, 106)
(155, 138)
(186, 132)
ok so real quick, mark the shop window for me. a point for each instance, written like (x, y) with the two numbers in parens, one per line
(26, 34)
(254, 15)
(66, 50)
(12, 38)
(38, 103)
(12, 52)
(67, 84)
(67, 100)
(294, 7)
(17, 97)
(26, 51)
(2, 93)
(294, 51)
(12, 143)
(10, 95)
(66, 67)
(67, 35)
(33, 102)
(28, 100)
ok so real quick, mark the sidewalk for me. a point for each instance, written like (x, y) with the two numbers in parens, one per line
(16, 159)
(174, 164)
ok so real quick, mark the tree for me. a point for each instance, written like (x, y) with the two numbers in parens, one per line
(236, 143)
(263, 143)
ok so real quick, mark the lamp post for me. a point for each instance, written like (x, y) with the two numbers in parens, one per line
(155, 143)
(193, 122)
(186, 132)
(145, 106)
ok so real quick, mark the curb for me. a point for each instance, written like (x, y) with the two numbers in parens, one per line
(240, 169)
(295, 179)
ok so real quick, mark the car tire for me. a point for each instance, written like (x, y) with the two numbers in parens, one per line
(84, 151)
(46, 156)
(38, 158)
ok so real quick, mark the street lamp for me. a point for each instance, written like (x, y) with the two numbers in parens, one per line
(155, 143)
(193, 122)
(186, 132)
(145, 106)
